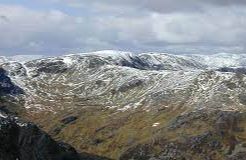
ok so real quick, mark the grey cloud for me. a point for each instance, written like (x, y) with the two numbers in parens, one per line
(55, 32)
(4, 18)
(162, 6)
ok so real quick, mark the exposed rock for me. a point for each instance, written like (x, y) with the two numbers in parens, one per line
(6, 85)
(48, 66)
(25, 141)
(14, 69)
(69, 119)
(234, 70)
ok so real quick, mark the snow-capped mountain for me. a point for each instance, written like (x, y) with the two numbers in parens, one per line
(221, 60)
(126, 80)
(122, 99)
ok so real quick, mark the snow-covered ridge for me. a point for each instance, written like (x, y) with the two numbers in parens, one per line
(127, 80)
(110, 53)
(221, 60)
(195, 60)
(153, 59)
(20, 58)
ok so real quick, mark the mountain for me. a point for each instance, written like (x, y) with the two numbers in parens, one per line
(221, 60)
(123, 105)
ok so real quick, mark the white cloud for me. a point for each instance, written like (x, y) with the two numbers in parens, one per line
(28, 30)
(53, 31)
(218, 26)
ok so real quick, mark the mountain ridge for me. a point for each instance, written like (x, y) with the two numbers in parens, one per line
(218, 57)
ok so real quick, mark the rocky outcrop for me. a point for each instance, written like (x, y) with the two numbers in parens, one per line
(234, 70)
(6, 85)
(25, 141)
(69, 119)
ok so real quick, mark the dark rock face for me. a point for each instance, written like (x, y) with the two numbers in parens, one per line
(69, 119)
(234, 70)
(6, 86)
(48, 66)
(14, 69)
(25, 141)
(135, 62)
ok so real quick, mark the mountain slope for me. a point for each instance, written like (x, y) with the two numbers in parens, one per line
(154, 103)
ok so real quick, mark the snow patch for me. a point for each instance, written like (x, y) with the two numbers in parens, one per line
(156, 124)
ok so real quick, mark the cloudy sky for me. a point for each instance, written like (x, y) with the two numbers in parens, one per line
(54, 27)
